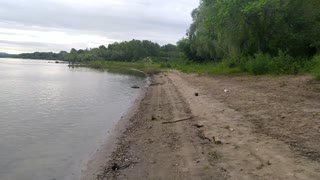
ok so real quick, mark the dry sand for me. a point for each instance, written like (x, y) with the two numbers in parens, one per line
(263, 128)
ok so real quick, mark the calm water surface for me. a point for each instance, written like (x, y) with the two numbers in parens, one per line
(53, 119)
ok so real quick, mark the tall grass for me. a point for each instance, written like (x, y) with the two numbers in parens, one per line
(147, 67)
(282, 64)
(222, 68)
(315, 66)
(260, 64)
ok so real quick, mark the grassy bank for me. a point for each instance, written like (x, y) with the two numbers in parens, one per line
(316, 68)
(258, 65)
(151, 67)
(147, 67)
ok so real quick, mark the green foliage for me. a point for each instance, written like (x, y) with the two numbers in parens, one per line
(134, 50)
(254, 36)
(315, 64)
(184, 46)
(224, 29)
(258, 65)
(43, 55)
(118, 66)
(265, 64)
(6, 55)
(316, 73)
(165, 65)
(281, 64)
(206, 68)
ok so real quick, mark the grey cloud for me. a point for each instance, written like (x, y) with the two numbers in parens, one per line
(162, 21)
(33, 46)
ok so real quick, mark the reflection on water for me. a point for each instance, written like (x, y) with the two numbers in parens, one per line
(52, 118)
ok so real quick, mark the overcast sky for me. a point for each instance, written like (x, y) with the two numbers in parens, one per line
(54, 25)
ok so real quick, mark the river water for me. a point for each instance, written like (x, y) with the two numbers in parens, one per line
(53, 119)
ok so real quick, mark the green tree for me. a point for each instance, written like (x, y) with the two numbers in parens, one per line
(224, 29)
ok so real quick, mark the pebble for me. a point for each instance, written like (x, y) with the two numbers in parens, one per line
(153, 162)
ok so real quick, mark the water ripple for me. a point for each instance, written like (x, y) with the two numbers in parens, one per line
(53, 118)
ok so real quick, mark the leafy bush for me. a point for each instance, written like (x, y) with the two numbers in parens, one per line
(165, 65)
(316, 73)
(285, 64)
(265, 64)
(258, 65)
(315, 64)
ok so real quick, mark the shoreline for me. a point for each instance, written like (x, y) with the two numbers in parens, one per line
(97, 163)
(184, 126)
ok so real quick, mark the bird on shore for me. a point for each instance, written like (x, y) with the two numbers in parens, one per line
(226, 90)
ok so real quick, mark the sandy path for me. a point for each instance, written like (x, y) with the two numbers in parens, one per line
(265, 128)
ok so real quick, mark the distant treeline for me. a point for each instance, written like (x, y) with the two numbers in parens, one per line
(134, 50)
(43, 55)
(6, 55)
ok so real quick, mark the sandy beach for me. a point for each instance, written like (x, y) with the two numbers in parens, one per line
(216, 127)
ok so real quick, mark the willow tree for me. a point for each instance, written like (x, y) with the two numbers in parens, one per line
(224, 29)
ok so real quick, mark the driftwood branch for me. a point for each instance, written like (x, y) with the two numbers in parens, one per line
(169, 122)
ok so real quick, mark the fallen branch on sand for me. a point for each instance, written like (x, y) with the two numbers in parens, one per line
(169, 122)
